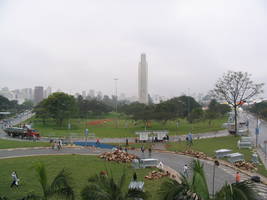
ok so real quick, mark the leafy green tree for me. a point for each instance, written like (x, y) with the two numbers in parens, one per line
(41, 111)
(164, 112)
(27, 105)
(93, 106)
(59, 188)
(104, 187)
(236, 88)
(59, 106)
(196, 115)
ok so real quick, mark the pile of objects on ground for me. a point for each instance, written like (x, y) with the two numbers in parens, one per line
(196, 154)
(246, 166)
(153, 175)
(118, 156)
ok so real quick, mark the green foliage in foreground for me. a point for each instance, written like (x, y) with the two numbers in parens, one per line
(80, 167)
(105, 187)
(6, 144)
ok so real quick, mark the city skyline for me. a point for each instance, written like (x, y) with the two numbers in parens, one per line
(60, 44)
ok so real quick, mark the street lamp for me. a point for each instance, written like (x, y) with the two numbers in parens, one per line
(116, 94)
(216, 163)
(116, 100)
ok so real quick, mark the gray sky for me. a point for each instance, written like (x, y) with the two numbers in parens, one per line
(84, 44)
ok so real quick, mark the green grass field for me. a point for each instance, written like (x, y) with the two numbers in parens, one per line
(208, 146)
(6, 144)
(125, 128)
(81, 168)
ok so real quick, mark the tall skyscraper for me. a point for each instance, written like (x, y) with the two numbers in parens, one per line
(48, 92)
(143, 80)
(38, 94)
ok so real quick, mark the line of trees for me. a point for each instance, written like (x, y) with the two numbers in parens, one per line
(13, 107)
(178, 107)
(61, 106)
(259, 109)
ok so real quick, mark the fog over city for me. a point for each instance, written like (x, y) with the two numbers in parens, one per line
(85, 44)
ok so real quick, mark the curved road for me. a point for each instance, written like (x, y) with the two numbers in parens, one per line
(175, 161)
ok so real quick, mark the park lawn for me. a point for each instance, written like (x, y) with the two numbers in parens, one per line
(208, 146)
(81, 168)
(7, 144)
(125, 128)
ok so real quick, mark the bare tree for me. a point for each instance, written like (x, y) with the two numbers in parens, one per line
(237, 88)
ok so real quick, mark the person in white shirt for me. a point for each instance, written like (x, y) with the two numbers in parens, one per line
(15, 179)
(185, 171)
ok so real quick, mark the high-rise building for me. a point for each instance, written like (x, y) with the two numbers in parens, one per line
(38, 94)
(84, 94)
(91, 93)
(47, 92)
(143, 80)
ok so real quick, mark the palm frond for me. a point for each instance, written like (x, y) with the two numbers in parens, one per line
(42, 176)
(61, 186)
(31, 197)
(241, 191)
(135, 193)
(172, 190)
(199, 182)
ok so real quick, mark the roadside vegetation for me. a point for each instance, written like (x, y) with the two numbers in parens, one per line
(8, 144)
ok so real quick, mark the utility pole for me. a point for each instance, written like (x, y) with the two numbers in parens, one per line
(116, 94)
(116, 99)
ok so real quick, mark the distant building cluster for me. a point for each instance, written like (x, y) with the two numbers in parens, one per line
(35, 94)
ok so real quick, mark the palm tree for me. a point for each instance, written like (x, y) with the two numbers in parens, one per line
(104, 187)
(59, 187)
(241, 191)
(197, 188)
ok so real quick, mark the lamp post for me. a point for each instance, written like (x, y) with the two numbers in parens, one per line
(216, 163)
(116, 94)
(116, 99)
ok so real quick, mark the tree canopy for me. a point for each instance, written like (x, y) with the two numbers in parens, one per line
(59, 106)
(236, 88)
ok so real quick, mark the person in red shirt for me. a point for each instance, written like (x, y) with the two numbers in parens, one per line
(237, 177)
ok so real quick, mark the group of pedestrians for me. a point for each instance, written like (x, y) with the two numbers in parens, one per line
(57, 145)
(149, 151)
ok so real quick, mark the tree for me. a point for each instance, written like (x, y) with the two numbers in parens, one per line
(197, 188)
(59, 188)
(195, 115)
(104, 187)
(241, 191)
(41, 112)
(59, 106)
(236, 88)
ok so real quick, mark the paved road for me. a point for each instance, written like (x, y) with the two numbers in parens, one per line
(175, 161)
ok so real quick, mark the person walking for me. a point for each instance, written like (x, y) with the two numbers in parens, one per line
(143, 151)
(237, 177)
(15, 179)
(185, 171)
(149, 152)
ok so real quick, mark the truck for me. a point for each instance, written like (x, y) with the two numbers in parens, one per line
(24, 132)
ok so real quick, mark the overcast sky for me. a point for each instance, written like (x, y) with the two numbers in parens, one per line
(79, 45)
